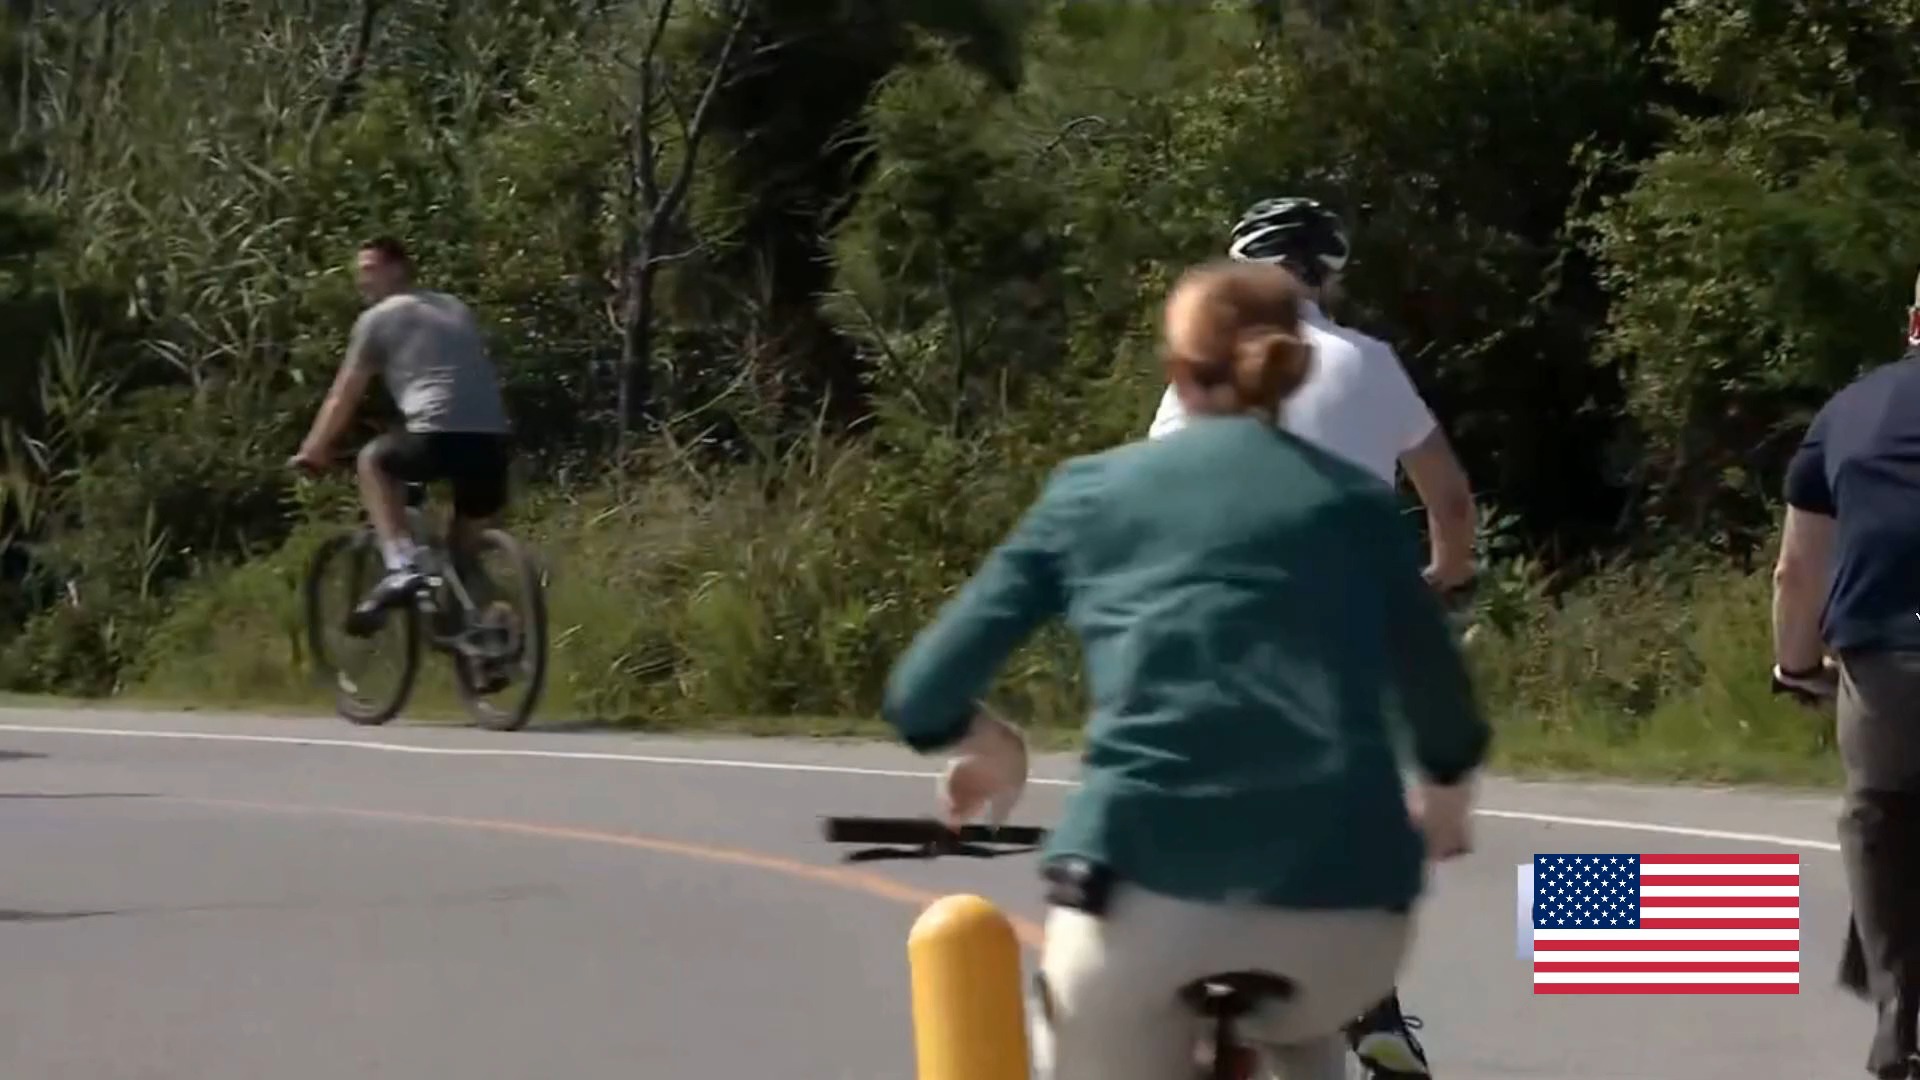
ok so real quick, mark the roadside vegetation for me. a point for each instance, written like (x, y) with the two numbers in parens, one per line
(800, 300)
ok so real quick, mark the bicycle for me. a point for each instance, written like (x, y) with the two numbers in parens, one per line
(493, 647)
(1217, 1001)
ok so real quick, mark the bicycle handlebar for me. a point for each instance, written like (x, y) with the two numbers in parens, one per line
(1811, 690)
(924, 830)
(416, 492)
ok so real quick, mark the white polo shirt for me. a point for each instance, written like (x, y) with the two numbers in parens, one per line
(1357, 402)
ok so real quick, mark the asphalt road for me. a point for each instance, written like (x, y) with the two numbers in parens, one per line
(198, 897)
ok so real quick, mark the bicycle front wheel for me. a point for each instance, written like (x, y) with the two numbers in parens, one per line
(370, 678)
(501, 665)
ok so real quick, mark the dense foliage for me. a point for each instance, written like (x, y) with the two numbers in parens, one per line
(863, 270)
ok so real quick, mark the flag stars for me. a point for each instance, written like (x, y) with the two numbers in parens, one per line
(1587, 891)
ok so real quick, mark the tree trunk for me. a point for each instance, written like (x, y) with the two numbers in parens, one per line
(636, 347)
(20, 26)
(661, 208)
(349, 83)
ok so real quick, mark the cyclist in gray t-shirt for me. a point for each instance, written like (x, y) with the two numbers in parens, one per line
(428, 349)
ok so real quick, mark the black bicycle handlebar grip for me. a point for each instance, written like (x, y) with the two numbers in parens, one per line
(1002, 834)
(882, 830)
(922, 830)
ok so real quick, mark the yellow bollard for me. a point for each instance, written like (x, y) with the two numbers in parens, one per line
(969, 1016)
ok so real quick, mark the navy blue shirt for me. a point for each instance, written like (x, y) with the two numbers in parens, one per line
(1860, 464)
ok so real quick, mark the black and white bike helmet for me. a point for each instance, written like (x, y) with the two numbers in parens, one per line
(1300, 234)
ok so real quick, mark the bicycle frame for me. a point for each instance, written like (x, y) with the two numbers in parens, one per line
(451, 627)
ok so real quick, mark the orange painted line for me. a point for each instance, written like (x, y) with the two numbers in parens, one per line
(859, 881)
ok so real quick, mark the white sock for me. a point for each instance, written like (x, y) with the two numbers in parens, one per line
(398, 554)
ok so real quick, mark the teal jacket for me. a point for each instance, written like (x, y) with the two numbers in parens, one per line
(1256, 635)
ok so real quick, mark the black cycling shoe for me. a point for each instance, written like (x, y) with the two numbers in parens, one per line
(398, 587)
(1383, 1040)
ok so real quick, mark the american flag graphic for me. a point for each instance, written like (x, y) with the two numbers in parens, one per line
(1666, 924)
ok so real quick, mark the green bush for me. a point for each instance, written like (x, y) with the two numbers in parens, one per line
(236, 635)
(76, 648)
(673, 605)
(1622, 251)
(1657, 668)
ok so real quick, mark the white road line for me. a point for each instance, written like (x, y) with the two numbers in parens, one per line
(488, 751)
(841, 770)
(1670, 830)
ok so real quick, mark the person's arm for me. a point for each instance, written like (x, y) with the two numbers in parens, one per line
(1805, 567)
(932, 693)
(1437, 475)
(336, 412)
(1429, 675)
(344, 396)
(1800, 581)
(1442, 485)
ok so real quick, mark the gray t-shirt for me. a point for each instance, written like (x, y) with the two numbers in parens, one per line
(428, 348)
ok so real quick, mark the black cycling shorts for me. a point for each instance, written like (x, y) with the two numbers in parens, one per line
(473, 464)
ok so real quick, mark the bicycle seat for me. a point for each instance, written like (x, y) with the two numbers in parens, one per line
(1232, 994)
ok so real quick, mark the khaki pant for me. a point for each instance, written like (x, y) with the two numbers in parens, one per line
(1111, 984)
(1879, 736)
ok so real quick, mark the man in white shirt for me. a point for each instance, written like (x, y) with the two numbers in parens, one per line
(1359, 403)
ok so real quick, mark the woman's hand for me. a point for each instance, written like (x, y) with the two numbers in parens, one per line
(1444, 813)
(987, 772)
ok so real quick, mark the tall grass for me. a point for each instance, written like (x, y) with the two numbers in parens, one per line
(774, 601)
(1653, 669)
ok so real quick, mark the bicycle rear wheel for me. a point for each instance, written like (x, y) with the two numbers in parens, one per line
(501, 666)
(342, 571)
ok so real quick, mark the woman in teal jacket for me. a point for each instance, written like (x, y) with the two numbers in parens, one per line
(1251, 622)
